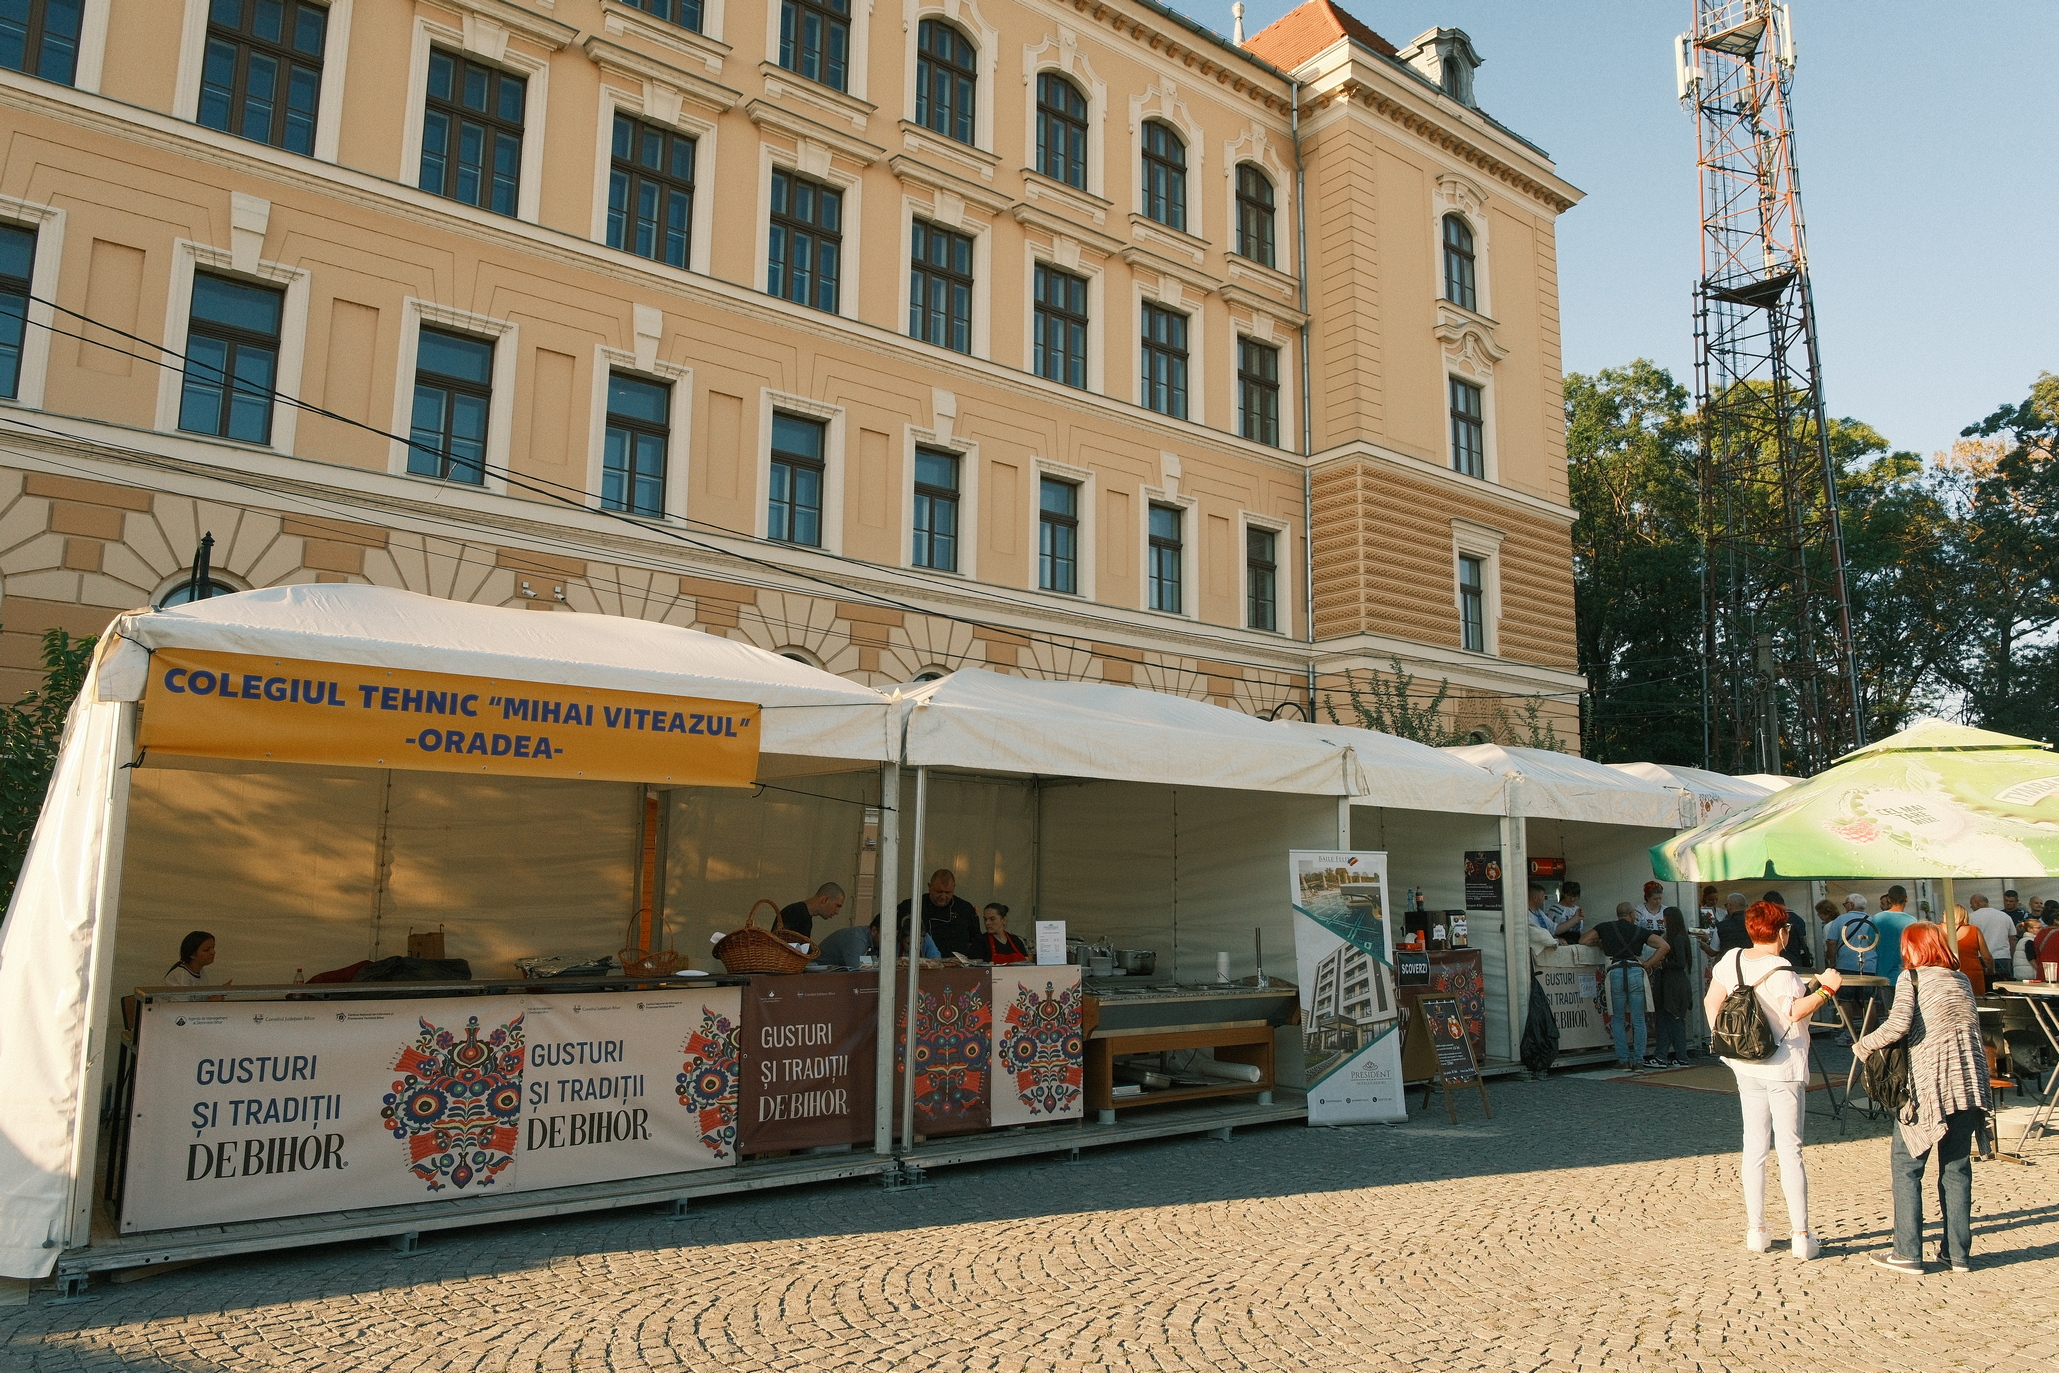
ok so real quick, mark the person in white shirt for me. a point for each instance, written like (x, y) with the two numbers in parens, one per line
(2000, 933)
(1771, 1091)
(196, 955)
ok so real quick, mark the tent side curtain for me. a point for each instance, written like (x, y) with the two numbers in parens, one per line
(977, 719)
(808, 712)
(1558, 786)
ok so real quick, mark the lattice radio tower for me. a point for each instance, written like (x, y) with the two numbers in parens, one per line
(1779, 681)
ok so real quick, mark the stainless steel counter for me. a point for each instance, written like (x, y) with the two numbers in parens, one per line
(1144, 1004)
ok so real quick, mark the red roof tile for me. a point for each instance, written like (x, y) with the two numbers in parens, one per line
(1295, 37)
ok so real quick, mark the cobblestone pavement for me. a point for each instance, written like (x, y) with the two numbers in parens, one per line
(1590, 1225)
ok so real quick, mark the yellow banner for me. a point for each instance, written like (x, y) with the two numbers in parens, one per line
(233, 705)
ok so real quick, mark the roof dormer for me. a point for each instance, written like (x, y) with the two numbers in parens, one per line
(1446, 56)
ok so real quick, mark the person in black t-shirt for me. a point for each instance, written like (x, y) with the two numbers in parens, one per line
(826, 904)
(948, 918)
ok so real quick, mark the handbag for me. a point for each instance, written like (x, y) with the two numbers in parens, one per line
(1741, 1030)
(1887, 1069)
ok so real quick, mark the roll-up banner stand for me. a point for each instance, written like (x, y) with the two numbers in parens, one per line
(1351, 1017)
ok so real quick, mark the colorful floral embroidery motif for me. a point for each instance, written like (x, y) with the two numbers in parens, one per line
(952, 1042)
(457, 1103)
(1042, 1047)
(708, 1081)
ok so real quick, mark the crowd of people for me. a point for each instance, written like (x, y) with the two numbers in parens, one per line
(950, 925)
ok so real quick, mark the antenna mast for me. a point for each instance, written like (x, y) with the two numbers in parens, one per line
(1780, 684)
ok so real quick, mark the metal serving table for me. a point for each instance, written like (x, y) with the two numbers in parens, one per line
(1234, 1020)
(1871, 1110)
(2044, 1007)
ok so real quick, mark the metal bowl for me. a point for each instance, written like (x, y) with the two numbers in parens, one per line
(1137, 962)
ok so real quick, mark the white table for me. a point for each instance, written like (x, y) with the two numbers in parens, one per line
(2043, 998)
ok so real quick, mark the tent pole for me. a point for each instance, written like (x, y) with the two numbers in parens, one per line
(107, 887)
(1344, 824)
(889, 869)
(1515, 876)
(918, 899)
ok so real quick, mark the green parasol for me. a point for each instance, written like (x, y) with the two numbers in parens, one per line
(1936, 800)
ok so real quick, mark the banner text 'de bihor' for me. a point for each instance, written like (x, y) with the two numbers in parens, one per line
(233, 705)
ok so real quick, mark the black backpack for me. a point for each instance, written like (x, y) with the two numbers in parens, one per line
(1741, 1030)
(1886, 1073)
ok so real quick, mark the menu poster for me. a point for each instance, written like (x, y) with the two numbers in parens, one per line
(1483, 880)
(1050, 942)
(1345, 962)
(809, 1060)
(1439, 1026)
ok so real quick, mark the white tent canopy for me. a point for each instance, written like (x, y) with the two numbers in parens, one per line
(1558, 786)
(1716, 793)
(1405, 775)
(983, 720)
(807, 711)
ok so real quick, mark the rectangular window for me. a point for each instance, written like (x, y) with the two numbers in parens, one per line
(794, 514)
(1261, 579)
(815, 40)
(1165, 361)
(633, 453)
(453, 392)
(1468, 429)
(1165, 559)
(940, 287)
(685, 13)
(41, 37)
(650, 192)
(262, 75)
(936, 509)
(806, 241)
(1061, 327)
(232, 359)
(1472, 604)
(1058, 536)
(17, 265)
(1258, 392)
(472, 133)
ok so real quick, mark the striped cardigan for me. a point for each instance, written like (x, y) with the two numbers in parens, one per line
(1948, 1069)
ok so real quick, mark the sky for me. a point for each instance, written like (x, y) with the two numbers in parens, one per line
(1924, 137)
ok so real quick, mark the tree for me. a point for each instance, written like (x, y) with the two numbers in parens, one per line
(30, 731)
(2007, 471)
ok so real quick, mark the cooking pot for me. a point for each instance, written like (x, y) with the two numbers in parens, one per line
(1137, 962)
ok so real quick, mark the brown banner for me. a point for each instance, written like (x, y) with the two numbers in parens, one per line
(808, 1060)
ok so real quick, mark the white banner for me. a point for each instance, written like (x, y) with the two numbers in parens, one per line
(257, 1109)
(1350, 1016)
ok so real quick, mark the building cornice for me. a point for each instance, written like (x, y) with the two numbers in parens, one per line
(767, 115)
(1471, 488)
(612, 56)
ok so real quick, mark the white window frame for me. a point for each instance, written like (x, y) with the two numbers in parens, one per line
(1473, 540)
(48, 223)
(860, 54)
(1234, 157)
(187, 258)
(1190, 551)
(701, 239)
(805, 161)
(1283, 562)
(833, 448)
(678, 415)
(1194, 306)
(1491, 466)
(982, 238)
(967, 453)
(1063, 56)
(1097, 317)
(965, 16)
(1161, 102)
(1084, 479)
(1464, 197)
(193, 53)
(471, 42)
(500, 411)
(92, 45)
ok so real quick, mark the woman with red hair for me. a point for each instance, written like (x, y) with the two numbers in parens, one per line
(1771, 1092)
(1949, 1093)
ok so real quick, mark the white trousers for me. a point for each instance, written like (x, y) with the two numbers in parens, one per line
(1773, 1110)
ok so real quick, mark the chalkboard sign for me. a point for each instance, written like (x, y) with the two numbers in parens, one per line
(1439, 1025)
(1411, 969)
(1483, 880)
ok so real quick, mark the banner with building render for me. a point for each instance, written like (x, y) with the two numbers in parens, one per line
(1350, 1015)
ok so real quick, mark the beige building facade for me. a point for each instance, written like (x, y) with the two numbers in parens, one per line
(896, 338)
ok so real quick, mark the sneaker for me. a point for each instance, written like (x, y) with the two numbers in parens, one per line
(1759, 1240)
(1962, 1268)
(1911, 1268)
(1626, 1067)
(1804, 1245)
(1677, 1061)
(1650, 1063)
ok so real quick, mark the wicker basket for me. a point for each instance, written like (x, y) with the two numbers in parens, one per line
(645, 963)
(752, 950)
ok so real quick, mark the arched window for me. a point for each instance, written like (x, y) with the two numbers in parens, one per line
(1254, 215)
(1459, 286)
(944, 80)
(188, 591)
(1061, 130)
(1165, 176)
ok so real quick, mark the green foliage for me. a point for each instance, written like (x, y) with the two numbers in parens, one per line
(1389, 705)
(30, 731)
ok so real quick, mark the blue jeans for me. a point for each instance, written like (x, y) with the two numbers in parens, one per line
(1954, 1189)
(1626, 1004)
